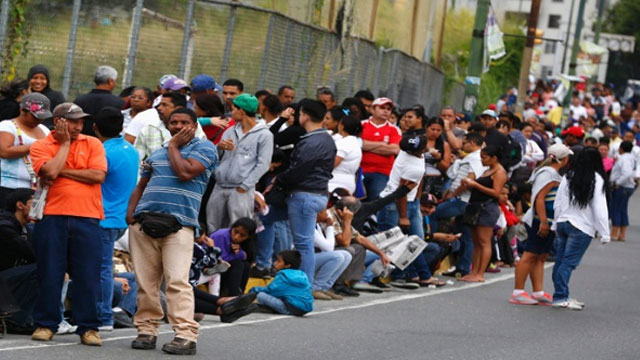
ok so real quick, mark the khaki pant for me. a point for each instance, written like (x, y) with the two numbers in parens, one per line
(169, 257)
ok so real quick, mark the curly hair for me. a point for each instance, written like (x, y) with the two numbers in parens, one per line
(582, 176)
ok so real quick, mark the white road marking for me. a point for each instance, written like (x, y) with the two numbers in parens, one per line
(403, 297)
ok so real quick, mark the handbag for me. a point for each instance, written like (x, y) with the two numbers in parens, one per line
(158, 225)
(472, 214)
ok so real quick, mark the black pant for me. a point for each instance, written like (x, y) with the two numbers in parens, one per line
(21, 283)
(235, 279)
(205, 302)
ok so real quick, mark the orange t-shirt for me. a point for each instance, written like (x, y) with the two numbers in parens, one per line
(67, 196)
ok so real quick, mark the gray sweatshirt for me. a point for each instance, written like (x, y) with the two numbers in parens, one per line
(248, 161)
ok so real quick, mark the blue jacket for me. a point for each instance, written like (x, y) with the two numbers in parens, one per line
(311, 164)
(291, 286)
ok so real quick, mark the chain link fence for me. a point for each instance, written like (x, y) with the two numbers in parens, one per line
(144, 40)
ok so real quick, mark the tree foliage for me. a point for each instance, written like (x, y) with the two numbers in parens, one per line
(455, 56)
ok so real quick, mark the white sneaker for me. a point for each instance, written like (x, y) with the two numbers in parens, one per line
(568, 304)
(65, 328)
(580, 303)
(105, 328)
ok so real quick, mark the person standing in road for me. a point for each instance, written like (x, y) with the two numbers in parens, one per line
(163, 223)
(73, 165)
(380, 145)
(307, 180)
(247, 147)
(580, 211)
(122, 166)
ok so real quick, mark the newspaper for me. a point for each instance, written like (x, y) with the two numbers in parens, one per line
(400, 248)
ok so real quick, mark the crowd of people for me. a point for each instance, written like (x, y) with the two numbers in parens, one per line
(159, 205)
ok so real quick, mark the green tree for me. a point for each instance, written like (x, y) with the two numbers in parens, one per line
(622, 18)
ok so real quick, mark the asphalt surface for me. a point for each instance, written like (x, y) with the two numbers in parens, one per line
(459, 321)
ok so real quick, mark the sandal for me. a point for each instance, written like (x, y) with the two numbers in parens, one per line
(433, 281)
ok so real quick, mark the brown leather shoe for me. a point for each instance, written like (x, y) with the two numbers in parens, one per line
(179, 346)
(91, 338)
(42, 334)
(144, 342)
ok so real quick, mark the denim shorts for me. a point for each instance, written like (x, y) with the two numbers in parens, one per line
(489, 214)
(536, 244)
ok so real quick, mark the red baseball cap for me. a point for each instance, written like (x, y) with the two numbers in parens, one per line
(382, 101)
(576, 131)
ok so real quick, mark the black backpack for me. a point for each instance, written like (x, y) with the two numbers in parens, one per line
(511, 154)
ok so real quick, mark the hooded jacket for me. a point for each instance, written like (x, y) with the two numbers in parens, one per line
(16, 247)
(248, 161)
(291, 286)
(55, 97)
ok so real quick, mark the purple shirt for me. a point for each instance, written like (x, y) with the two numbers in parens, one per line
(222, 240)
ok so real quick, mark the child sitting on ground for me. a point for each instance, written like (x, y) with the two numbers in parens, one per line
(290, 291)
(237, 248)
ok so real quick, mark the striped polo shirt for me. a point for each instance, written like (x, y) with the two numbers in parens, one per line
(166, 193)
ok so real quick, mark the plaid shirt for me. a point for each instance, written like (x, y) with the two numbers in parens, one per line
(154, 135)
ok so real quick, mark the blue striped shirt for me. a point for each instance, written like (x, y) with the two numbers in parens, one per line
(166, 193)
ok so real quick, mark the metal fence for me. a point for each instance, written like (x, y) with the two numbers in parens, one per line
(144, 40)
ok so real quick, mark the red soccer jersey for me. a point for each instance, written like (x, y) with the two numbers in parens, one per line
(387, 133)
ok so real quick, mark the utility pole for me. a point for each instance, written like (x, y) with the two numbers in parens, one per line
(532, 25)
(566, 40)
(596, 36)
(474, 72)
(372, 19)
(574, 53)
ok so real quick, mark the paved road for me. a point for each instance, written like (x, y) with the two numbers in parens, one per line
(456, 322)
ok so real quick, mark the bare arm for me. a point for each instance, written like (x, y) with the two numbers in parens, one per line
(130, 138)
(337, 162)
(380, 148)
(186, 169)
(456, 144)
(135, 198)
(367, 244)
(445, 161)
(10, 151)
(87, 176)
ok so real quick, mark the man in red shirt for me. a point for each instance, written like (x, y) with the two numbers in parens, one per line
(380, 145)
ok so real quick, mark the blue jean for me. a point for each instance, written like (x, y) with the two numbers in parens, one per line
(374, 183)
(109, 237)
(570, 244)
(68, 243)
(266, 237)
(126, 302)
(369, 259)
(329, 266)
(388, 218)
(620, 206)
(421, 266)
(273, 303)
(284, 238)
(456, 208)
(303, 209)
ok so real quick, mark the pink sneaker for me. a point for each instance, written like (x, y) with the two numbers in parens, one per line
(523, 299)
(544, 300)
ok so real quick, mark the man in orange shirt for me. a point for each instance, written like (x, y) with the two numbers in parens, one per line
(73, 165)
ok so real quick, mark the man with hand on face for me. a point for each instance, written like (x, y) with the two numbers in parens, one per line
(163, 223)
(154, 134)
(73, 165)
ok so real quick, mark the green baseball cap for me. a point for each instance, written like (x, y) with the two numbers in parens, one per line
(246, 102)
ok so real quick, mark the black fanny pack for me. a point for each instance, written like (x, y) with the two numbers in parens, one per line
(158, 225)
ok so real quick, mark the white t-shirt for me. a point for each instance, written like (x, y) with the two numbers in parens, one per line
(578, 111)
(344, 175)
(140, 121)
(406, 167)
(13, 172)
